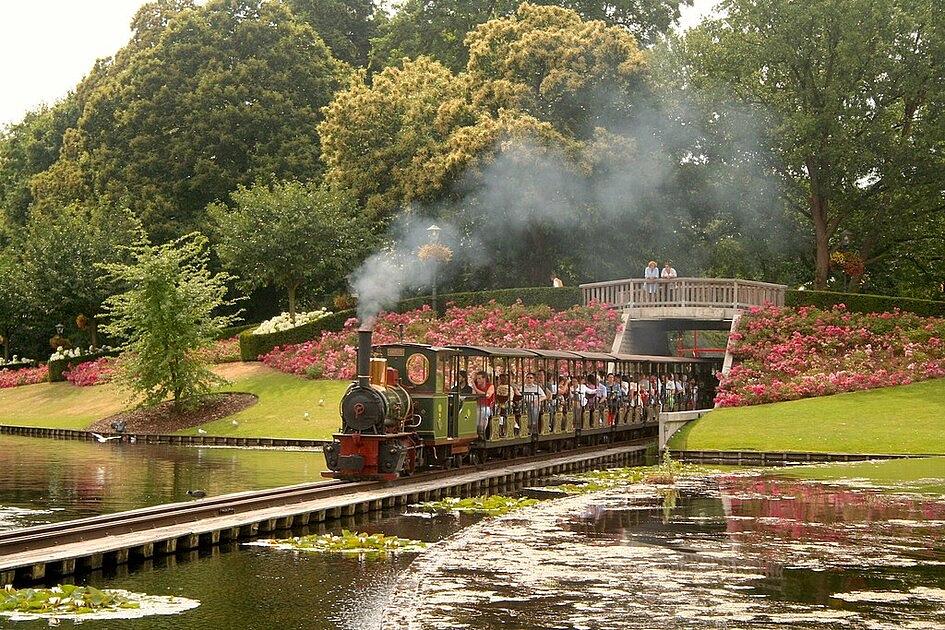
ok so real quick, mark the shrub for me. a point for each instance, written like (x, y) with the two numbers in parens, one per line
(787, 353)
(91, 372)
(254, 346)
(24, 376)
(578, 328)
(220, 351)
(58, 366)
(864, 303)
(284, 321)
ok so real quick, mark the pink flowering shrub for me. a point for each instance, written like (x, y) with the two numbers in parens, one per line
(590, 328)
(25, 376)
(222, 351)
(91, 372)
(788, 353)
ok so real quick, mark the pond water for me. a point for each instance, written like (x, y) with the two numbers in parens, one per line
(726, 551)
(47, 480)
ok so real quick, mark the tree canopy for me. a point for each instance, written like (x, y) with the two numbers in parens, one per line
(170, 309)
(291, 235)
(228, 93)
(849, 100)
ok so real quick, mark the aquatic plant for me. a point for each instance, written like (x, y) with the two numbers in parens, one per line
(349, 542)
(63, 599)
(666, 472)
(492, 505)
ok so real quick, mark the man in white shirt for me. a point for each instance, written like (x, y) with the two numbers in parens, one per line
(668, 273)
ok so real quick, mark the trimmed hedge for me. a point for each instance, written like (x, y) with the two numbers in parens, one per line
(253, 346)
(864, 303)
(559, 299)
(232, 331)
(58, 367)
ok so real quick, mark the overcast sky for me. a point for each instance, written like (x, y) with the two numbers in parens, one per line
(47, 46)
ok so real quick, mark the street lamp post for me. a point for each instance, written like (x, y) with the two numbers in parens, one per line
(434, 232)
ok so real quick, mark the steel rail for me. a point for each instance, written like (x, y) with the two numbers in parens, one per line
(142, 519)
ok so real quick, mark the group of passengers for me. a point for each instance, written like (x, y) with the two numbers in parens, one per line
(600, 392)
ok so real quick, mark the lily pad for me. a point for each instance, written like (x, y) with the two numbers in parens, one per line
(491, 505)
(356, 543)
(68, 601)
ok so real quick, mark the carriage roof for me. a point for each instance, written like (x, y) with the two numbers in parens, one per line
(538, 353)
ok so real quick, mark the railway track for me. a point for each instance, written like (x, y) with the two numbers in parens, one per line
(132, 521)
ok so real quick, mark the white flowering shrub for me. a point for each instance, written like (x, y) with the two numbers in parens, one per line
(282, 322)
(16, 359)
(75, 353)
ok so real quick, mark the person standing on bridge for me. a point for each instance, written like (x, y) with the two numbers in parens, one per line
(651, 276)
(668, 275)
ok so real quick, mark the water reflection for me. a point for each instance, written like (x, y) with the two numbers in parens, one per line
(712, 552)
(253, 588)
(52, 480)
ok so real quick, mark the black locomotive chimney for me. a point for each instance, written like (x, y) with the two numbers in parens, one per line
(365, 334)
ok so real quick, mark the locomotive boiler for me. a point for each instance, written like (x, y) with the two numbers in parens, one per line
(376, 440)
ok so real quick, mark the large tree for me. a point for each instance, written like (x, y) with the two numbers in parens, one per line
(347, 26)
(58, 254)
(291, 235)
(848, 102)
(226, 93)
(437, 29)
(414, 129)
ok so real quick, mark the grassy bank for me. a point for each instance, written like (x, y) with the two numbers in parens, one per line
(920, 474)
(283, 402)
(905, 419)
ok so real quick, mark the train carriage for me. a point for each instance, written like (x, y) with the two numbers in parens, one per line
(412, 408)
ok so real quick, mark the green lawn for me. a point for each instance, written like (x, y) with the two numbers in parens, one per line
(905, 419)
(918, 474)
(58, 405)
(283, 401)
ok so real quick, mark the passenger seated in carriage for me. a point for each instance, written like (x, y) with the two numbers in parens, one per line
(533, 396)
(614, 398)
(483, 388)
(462, 384)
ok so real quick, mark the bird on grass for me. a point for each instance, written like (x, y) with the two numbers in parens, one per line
(321, 402)
(201, 431)
(305, 416)
(197, 494)
(234, 423)
(101, 439)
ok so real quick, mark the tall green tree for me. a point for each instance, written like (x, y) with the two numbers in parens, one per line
(228, 92)
(170, 310)
(849, 102)
(291, 235)
(58, 255)
(347, 26)
(13, 306)
(438, 29)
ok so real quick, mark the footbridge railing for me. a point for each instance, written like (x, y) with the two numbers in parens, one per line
(724, 293)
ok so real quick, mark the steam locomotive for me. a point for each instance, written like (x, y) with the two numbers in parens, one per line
(411, 409)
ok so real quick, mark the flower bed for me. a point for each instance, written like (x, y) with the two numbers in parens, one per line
(62, 361)
(283, 322)
(91, 372)
(589, 328)
(222, 351)
(23, 376)
(786, 353)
